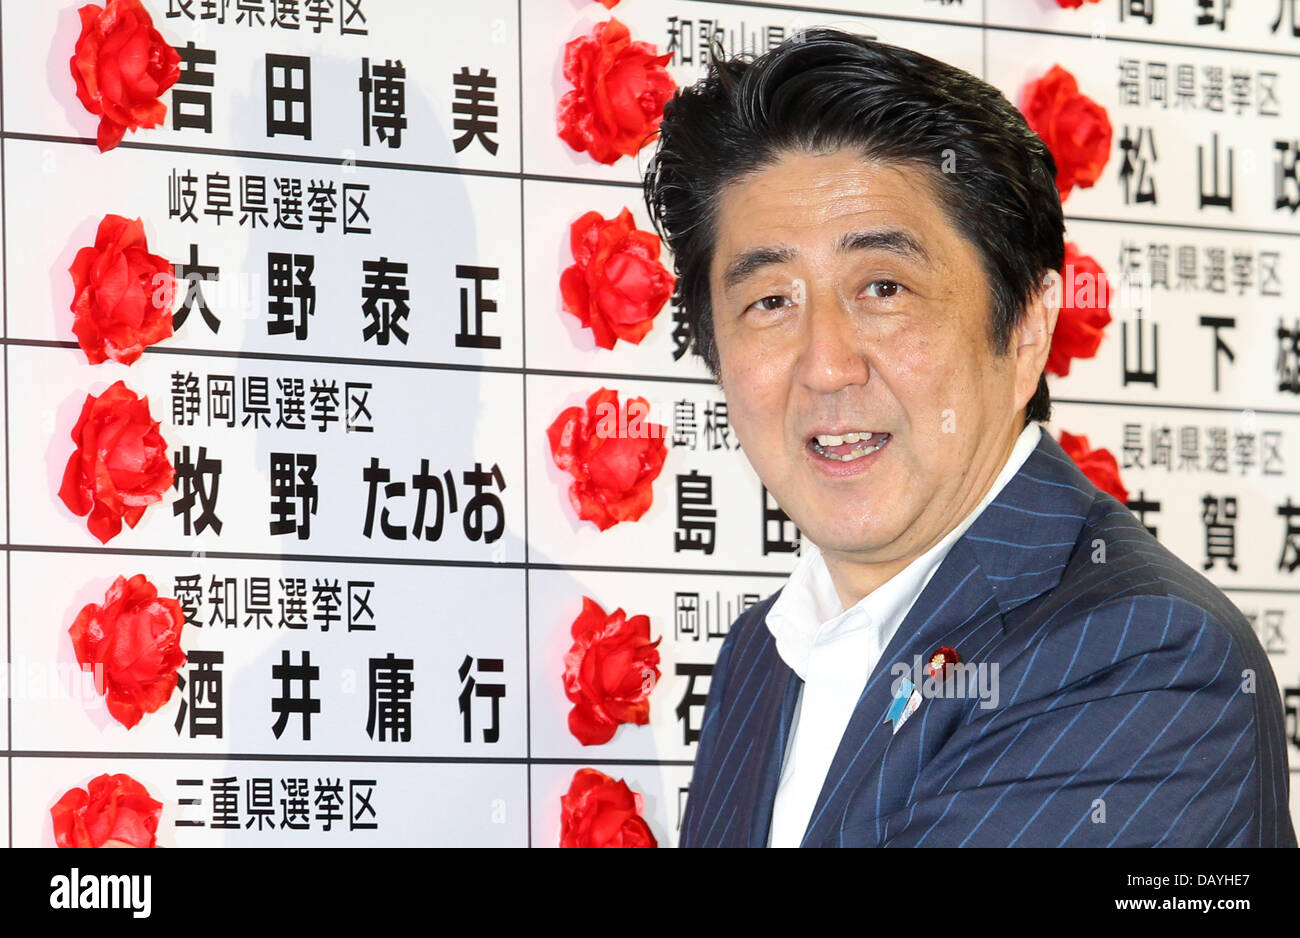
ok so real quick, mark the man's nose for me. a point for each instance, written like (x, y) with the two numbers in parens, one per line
(832, 356)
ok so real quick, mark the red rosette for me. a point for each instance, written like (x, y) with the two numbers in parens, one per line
(122, 66)
(616, 285)
(599, 811)
(112, 811)
(620, 87)
(1098, 465)
(942, 660)
(1074, 127)
(1085, 311)
(613, 455)
(120, 464)
(132, 645)
(122, 295)
(609, 672)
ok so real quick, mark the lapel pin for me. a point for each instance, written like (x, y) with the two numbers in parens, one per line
(906, 699)
(942, 661)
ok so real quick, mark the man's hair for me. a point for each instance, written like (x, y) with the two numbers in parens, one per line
(822, 90)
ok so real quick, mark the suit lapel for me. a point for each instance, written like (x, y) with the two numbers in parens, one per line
(775, 732)
(957, 593)
(736, 797)
(1014, 551)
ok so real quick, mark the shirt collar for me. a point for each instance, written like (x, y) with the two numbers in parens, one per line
(808, 611)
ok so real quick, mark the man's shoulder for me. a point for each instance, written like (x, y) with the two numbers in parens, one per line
(1134, 636)
(1124, 597)
(1118, 561)
(1053, 544)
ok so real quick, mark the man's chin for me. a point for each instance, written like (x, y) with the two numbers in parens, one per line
(864, 545)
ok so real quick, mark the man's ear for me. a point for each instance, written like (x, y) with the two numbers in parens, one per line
(1032, 338)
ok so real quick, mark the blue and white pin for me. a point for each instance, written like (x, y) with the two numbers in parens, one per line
(907, 698)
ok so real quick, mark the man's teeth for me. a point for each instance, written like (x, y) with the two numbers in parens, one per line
(828, 439)
(823, 440)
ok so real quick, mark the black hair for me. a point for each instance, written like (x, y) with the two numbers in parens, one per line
(823, 89)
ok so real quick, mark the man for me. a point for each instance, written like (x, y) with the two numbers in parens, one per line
(976, 646)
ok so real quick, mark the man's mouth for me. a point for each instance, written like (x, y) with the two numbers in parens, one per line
(847, 447)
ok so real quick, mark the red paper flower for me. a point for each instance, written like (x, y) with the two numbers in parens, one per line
(1085, 311)
(1097, 464)
(619, 91)
(601, 812)
(122, 66)
(1074, 127)
(609, 4)
(132, 644)
(609, 672)
(612, 454)
(617, 285)
(123, 295)
(116, 812)
(120, 465)
(1067, 4)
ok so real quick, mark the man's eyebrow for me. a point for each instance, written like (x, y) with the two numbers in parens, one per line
(894, 240)
(750, 262)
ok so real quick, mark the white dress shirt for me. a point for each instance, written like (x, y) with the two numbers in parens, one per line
(835, 650)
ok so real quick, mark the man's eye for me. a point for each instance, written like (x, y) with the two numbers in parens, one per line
(769, 303)
(884, 289)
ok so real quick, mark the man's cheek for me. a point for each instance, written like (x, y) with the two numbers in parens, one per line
(752, 433)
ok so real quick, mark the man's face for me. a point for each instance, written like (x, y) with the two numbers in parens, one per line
(844, 301)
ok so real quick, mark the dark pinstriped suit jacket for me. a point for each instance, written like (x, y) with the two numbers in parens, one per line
(1121, 718)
